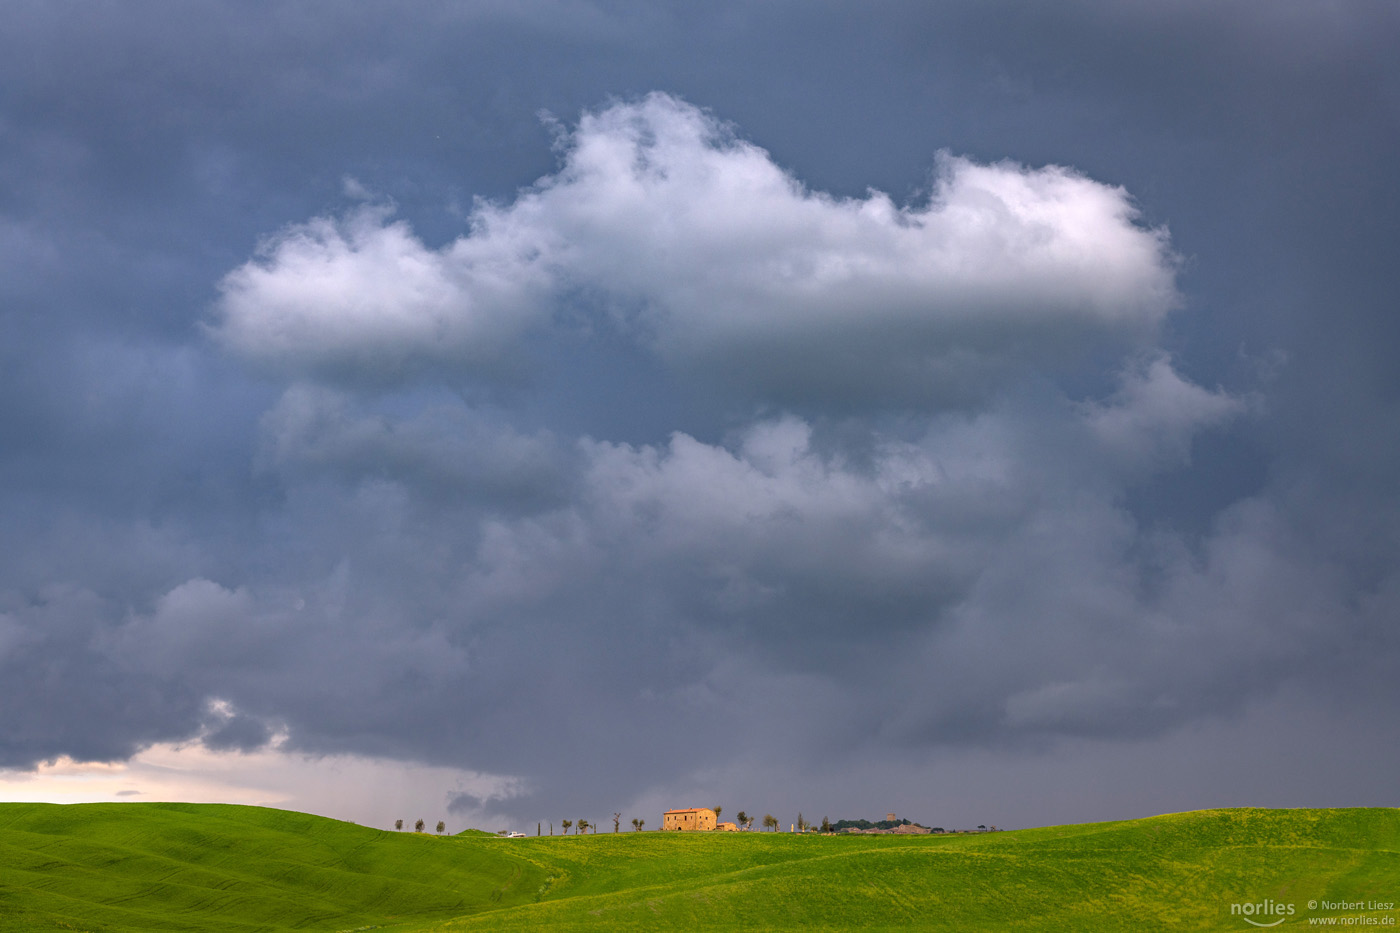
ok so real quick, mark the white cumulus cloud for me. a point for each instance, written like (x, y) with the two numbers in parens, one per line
(704, 249)
(364, 294)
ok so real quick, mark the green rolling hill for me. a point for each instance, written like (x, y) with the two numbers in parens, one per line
(187, 867)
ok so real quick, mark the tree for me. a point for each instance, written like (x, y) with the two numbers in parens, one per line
(742, 819)
(398, 824)
(718, 810)
(636, 825)
(801, 823)
(617, 818)
(826, 825)
(583, 826)
(441, 827)
(770, 822)
(418, 826)
(566, 824)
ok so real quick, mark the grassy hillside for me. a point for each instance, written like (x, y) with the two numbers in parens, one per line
(1181, 871)
(199, 867)
(155, 867)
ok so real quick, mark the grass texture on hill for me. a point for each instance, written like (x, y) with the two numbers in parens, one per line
(156, 867)
(188, 867)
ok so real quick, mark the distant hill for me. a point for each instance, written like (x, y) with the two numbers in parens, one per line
(192, 867)
(878, 825)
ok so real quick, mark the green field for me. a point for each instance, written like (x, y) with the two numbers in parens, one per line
(156, 867)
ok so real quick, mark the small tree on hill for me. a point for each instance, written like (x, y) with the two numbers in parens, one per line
(636, 825)
(770, 822)
(398, 824)
(718, 810)
(826, 825)
(583, 826)
(418, 826)
(617, 818)
(742, 819)
(441, 827)
(566, 824)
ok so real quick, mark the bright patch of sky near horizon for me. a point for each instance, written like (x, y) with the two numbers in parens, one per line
(373, 792)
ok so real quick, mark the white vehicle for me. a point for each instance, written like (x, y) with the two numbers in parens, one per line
(514, 835)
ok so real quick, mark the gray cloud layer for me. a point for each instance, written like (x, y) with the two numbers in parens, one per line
(662, 463)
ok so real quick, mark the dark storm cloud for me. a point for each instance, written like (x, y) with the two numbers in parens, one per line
(63, 695)
(577, 483)
(445, 447)
(242, 733)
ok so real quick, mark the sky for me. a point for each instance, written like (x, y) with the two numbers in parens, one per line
(506, 412)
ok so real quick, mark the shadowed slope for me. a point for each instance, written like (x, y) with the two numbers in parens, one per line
(147, 867)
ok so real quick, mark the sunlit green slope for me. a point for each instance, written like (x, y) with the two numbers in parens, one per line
(1181, 871)
(193, 867)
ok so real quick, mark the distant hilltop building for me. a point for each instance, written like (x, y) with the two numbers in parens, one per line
(694, 818)
(727, 828)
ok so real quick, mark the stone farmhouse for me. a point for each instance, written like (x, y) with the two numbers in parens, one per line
(695, 818)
